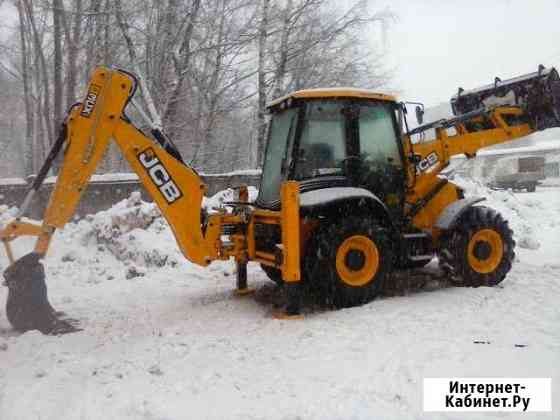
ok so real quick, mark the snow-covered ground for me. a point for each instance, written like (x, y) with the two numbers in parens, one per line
(164, 339)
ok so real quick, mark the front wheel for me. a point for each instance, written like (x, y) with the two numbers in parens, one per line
(480, 250)
(348, 261)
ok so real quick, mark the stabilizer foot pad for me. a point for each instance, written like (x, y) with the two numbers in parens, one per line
(286, 316)
(244, 292)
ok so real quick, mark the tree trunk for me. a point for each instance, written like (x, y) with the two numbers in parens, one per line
(123, 25)
(212, 92)
(261, 111)
(44, 74)
(165, 76)
(72, 36)
(172, 115)
(283, 60)
(39, 132)
(107, 58)
(90, 31)
(99, 23)
(28, 142)
(58, 64)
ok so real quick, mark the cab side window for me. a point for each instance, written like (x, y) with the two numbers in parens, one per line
(378, 139)
(322, 145)
(381, 167)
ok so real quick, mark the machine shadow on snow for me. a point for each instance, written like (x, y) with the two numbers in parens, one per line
(402, 283)
(9, 332)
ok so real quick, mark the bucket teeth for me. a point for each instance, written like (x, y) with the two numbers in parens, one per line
(28, 306)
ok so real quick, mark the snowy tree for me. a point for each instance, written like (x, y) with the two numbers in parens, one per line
(207, 68)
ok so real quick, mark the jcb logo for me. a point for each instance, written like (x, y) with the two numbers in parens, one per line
(160, 176)
(91, 100)
(427, 163)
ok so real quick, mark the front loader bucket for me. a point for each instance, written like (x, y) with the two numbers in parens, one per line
(537, 93)
(28, 306)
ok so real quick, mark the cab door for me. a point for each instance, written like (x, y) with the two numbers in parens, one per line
(380, 168)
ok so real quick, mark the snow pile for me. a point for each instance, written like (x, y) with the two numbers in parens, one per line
(110, 177)
(519, 214)
(153, 246)
(127, 215)
(211, 204)
(12, 181)
(7, 214)
(240, 172)
(134, 232)
(551, 182)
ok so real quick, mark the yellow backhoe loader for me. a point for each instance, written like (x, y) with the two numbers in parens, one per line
(348, 192)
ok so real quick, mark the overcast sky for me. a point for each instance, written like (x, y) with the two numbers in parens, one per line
(435, 46)
(438, 45)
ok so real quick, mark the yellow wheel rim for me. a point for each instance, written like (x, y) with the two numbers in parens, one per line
(485, 251)
(357, 260)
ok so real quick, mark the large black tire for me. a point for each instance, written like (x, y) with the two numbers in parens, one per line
(531, 187)
(348, 262)
(480, 250)
(273, 274)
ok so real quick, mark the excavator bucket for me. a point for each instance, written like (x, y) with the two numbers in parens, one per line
(28, 307)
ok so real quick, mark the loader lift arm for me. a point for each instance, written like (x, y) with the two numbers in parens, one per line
(490, 115)
(494, 114)
(174, 186)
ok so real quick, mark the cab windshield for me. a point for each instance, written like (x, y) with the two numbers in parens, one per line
(276, 160)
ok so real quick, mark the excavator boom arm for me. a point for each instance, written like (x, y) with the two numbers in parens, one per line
(88, 130)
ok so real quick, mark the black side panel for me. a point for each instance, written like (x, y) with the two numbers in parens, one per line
(365, 206)
(309, 185)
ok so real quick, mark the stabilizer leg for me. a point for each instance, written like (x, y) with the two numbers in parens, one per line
(291, 272)
(242, 288)
(293, 305)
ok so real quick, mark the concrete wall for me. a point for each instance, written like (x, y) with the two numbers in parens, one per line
(100, 195)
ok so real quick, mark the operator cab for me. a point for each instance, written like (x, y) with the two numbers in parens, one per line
(333, 138)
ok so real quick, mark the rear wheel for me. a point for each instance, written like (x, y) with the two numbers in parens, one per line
(531, 187)
(348, 262)
(480, 250)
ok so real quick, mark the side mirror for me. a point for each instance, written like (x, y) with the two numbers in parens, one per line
(419, 114)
